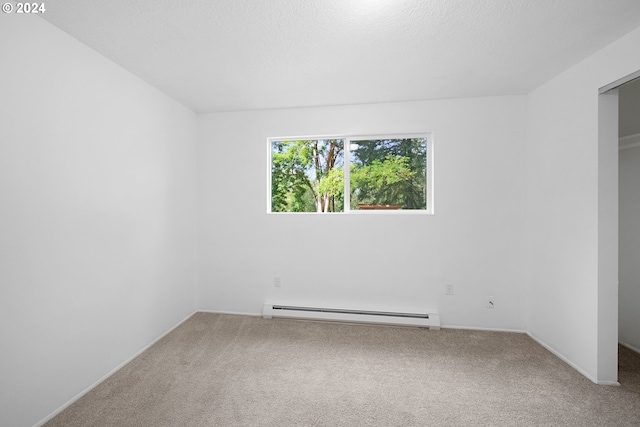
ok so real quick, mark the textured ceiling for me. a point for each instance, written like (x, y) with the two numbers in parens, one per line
(225, 55)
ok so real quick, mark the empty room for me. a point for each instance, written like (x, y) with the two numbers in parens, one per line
(319, 213)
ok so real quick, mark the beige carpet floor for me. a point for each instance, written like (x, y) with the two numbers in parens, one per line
(225, 370)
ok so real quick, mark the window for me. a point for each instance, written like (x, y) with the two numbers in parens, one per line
(384, 174)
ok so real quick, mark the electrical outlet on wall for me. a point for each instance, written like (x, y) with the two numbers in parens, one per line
(448, 289)
(277, 281)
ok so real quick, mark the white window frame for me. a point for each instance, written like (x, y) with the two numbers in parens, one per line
(429, 187)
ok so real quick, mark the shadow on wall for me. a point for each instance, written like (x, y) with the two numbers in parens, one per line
(629, 199)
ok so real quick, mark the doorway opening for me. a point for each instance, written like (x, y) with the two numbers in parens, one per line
(629, 226)
(609, 231)
(619, 229)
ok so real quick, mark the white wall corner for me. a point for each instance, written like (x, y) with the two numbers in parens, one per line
(607, 365)
(569, 362)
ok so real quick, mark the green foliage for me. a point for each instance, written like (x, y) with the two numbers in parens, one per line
(287, 178)
(398, 173)
(333, 183)
(382, 182)
(308, 175)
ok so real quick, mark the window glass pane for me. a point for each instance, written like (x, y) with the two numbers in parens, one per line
(307, 175)
(388, 174)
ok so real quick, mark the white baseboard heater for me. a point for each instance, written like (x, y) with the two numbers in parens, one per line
(425, 320)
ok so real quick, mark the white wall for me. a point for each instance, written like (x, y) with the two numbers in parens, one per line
(572, 211)
(474, 240)
(629, 320)
(97, 208)
(630, 109)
